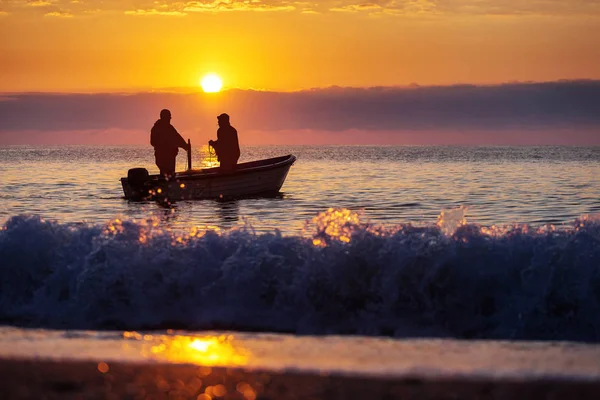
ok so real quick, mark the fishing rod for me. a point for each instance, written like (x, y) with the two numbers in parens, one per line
(189, 155)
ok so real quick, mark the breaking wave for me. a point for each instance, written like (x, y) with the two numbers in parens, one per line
(343, 276)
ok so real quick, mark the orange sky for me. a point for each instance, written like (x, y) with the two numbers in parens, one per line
(94, 45)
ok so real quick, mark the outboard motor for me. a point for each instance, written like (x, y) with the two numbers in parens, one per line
(138, 179)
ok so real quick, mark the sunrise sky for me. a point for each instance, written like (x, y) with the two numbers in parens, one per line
(340, 72)
(106, 45)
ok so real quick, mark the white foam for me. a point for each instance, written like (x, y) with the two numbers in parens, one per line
(343, 276)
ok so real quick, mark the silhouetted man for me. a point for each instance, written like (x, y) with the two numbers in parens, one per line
(226, 146)
(166, 142)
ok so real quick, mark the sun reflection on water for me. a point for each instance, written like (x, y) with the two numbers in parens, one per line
(201, 350)
(208, 157)
(213, 360)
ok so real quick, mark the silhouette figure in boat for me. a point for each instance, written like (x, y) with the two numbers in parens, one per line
(260, 178)
(166, 142)
(226, 146)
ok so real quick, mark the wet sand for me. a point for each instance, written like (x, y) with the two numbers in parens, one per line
(225, 365)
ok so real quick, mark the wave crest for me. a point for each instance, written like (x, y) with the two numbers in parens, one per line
(344, 276)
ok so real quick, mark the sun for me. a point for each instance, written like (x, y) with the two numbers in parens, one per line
(211, 83)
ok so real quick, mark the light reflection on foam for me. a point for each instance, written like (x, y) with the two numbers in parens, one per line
(335, 223)
(450, 220)
(340, 224)
(150, 227)
(201, 350)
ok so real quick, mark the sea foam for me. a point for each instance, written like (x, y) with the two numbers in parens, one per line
(343, 276)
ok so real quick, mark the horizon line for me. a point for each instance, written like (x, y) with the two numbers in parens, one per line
(198, 90)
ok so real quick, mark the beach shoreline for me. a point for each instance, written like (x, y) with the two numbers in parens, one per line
(29, 378)
(228, 365)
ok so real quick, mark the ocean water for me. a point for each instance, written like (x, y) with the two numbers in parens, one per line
(391, 185)
(465, 242)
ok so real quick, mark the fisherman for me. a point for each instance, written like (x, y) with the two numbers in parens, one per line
(166, 142)
(226, 146)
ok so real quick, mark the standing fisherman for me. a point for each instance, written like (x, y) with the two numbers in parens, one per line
(166, 142)
(226, 146)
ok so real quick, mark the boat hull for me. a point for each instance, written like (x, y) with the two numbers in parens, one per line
(258, 178)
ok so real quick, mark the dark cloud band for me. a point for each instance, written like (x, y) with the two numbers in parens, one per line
(508, 106)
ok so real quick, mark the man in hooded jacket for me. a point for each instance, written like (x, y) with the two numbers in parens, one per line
(226, 146)
(166, 142)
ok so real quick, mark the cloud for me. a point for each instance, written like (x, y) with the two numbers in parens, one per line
(405, 7)
(390, 7)
(153, 11)
(518, 7)
(40, 3)
(472, 7)
(235, 5)
(496, 112)
(369, 7)
(59, 14)
(89, 137)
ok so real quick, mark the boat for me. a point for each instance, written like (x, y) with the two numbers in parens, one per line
(249, 179)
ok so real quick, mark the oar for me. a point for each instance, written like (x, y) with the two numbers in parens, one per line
(189, 151)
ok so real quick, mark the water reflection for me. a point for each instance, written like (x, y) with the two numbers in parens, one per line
(201, 350)
(228, 212)
(213, 360)
(170, 212)
(391, 184)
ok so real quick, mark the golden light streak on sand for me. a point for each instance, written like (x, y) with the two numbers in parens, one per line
(70, 364)
(205, 351)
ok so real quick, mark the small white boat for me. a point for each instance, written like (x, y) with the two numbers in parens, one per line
(250, 179)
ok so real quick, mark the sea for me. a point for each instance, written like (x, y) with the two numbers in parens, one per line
(394, 241)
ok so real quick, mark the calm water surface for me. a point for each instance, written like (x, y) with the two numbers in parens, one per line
(390, 185)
